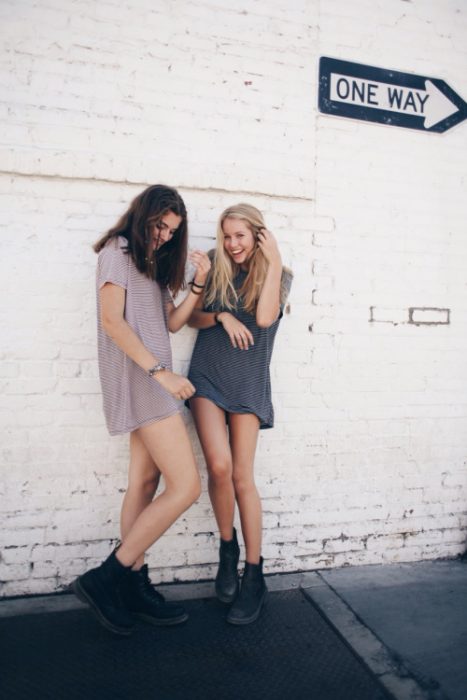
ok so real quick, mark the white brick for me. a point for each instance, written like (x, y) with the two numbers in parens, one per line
(366, 462)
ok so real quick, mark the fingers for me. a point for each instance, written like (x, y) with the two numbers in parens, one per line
(186, 391)
(200, 259)
(180, 387)
(265, 238)
(202, 264)
(268, 245)
(241, 338)
(245, 339)
(198, 254)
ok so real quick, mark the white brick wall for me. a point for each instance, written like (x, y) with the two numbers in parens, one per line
(366, 463)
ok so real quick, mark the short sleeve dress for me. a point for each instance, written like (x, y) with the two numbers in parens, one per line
(237, 380)
(131, 398)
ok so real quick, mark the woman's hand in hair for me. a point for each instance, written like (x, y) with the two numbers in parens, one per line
(239, 335)
(269, 247)
(180, 387)
(202, 265)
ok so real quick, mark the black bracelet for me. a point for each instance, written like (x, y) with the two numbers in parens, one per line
(196, 293)
(194, 284)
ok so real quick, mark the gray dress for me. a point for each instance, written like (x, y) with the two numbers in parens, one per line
(131, 397)
(236, 380)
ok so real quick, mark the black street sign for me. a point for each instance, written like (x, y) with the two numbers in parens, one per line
(356, 91)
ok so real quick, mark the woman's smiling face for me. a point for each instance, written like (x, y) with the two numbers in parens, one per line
(239, 241)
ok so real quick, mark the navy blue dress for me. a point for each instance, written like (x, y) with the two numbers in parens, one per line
(236, 380)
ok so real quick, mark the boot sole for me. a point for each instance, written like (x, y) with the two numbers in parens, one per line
(162, 623)
(252, 618)
(81, 594)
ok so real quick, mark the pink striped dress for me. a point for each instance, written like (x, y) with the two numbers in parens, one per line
(131, 397)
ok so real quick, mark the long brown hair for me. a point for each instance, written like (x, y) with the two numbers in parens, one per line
(166, 265)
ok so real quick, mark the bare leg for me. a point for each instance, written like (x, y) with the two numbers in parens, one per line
(168, 444)
(243, 439)
(212, 433)
(143, 480)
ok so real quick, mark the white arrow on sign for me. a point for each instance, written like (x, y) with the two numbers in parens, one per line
(430, 103)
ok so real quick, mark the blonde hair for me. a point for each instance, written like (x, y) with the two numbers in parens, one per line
(220, 289)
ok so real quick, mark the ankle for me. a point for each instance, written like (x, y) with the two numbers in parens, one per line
(138, 565)
(253, 561)
(124, 559)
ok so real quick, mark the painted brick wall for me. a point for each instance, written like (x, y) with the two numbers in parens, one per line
(366, 463)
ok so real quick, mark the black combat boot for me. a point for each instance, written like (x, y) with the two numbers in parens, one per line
(98, 588)
(250, 600)
(227, 574)
(139, 596)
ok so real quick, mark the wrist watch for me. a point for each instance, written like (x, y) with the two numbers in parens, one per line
(160, 367)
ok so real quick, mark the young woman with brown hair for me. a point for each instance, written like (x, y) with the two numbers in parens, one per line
(237, 320)
(140, 259)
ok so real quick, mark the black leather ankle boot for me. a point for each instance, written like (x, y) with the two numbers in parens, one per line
(227, 574)
(139, 596)
(250, 600)
(99, 589)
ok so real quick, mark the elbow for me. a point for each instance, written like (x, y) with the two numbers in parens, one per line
(262, 323)
(266, 322)
(193, 320)
(173, 323)
(110, 325)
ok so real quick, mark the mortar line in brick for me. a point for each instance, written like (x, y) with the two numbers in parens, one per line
(133, 183)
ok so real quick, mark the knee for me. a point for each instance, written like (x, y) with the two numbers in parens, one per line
(243, 485)
(191, 490)
(145, 486)
(220, 470)
(195, 488)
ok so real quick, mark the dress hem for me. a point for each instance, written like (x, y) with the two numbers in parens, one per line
(114, 433)
(263, 425)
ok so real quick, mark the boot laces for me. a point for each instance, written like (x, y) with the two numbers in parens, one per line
(147, 588)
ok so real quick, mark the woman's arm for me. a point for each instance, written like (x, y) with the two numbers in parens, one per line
(239, 335)
(112, 306)
(268, 307)
(199, 318)
(179, 315)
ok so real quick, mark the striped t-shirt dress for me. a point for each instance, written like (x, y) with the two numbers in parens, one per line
(236, 380)
(131, 398)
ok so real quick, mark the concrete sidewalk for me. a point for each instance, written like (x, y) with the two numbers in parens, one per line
(354, 633)
(408, 622)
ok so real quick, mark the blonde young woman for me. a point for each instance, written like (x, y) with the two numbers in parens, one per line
(140, 259)
(238, 314)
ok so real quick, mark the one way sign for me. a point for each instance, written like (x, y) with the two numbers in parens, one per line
(362, 92)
